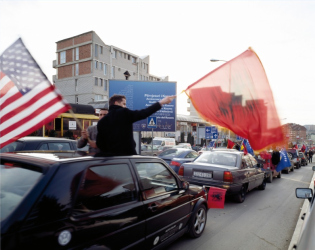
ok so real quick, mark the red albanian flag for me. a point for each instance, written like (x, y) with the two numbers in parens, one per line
(230, 144)
(237, 96)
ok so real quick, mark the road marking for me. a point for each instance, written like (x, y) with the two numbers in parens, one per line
(294, 180)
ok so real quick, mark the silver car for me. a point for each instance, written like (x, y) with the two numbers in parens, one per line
(226, 168)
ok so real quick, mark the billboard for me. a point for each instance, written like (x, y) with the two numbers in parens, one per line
(141, 94)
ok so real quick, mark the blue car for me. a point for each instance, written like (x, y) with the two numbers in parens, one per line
(175, 157)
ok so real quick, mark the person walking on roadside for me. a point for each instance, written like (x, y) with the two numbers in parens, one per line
(115, 131)
(89, 135)
(310, 156)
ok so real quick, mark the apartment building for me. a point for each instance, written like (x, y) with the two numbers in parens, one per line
(295, 133)
(84, 64)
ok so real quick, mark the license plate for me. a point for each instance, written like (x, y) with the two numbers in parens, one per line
(202, 174)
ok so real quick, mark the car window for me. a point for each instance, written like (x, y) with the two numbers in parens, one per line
(248, 163)
(192, 154)
(155, 179)
(16, 181)
(170, 152)
(14, 146)
(105, 186)
(218, 158)
(59, 146)
(43, 147)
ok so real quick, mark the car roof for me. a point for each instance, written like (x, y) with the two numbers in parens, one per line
(49, 157)
(223, 150)
(41, 138)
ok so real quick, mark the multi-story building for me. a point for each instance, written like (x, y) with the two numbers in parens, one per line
(295, 133)
(84, 64)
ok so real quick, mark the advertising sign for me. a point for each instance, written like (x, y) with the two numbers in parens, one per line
(140, 94)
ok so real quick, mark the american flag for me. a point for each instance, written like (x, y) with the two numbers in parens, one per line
(27, 99)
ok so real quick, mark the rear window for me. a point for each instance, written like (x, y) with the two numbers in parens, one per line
(171, 152)
(218, 158)
(16, 182)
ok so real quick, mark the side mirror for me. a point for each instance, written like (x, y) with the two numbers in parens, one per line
(185, 185)
(304, 193)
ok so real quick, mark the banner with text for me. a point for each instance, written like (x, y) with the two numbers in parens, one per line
(140, 94)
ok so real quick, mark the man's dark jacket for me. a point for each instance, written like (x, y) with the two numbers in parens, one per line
(115, 132)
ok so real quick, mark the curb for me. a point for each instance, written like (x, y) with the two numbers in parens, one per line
(299, 224)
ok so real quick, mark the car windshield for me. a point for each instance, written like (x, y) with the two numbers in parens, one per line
(217, 158)
(171, 152)
(16, 181)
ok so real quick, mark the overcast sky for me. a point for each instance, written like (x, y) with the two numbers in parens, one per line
(181, 37)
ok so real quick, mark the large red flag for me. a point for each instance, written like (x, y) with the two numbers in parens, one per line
(237, 96)
(27, 99)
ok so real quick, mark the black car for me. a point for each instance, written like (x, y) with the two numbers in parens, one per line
(30, 143)
(294, 156)
(304, 160)
(136, 202)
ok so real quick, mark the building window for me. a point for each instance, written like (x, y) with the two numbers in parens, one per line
(76, 99)
(143, 64)
(129, 57)
(114, 54)
(63, 57)
(96, 50)
(133, 60)
(76, 69)
(95, 64)
(76, 87)
(96, 81)
(98, 97)
(101, 66)
(101, 82)
(77, 53)
(105, 84)
(125, 56)
(105, 69)
(101, 49)
(113, 72)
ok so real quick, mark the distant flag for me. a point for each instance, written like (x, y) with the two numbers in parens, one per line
(230, 144)
(296, 146)
(284, 161)
(243, 148)
(237, 96)
(27, 99)
(303, 148)
(248, 147)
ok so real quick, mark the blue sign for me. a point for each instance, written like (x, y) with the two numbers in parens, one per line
(215, 136)
(140, 94)
(208, 133)
(214, 130)
(151, 122)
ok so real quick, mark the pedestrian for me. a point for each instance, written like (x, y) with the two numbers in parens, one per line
(310, 156)
(89, 135)
(115, 131)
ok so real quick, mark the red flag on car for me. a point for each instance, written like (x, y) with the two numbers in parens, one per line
(237, 96)
(216, 197)
(27, 99)
(230, 144)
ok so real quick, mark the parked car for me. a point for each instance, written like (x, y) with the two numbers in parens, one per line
(294, 157)
(196, 148)
(48, 202)
(267, 165)
(30, 143)
(291, 168)
(304, 161)
(229, 169)
(175, 157)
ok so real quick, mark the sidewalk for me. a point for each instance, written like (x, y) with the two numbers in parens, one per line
(304, 209)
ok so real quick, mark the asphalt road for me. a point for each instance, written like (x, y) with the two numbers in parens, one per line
(266, 219)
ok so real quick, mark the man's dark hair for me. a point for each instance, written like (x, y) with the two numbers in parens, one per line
(104, 109)
(116, 98)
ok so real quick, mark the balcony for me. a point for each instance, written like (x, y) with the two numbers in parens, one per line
(54, 64)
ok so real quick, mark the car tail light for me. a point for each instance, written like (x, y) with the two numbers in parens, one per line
(181, 171)
(175, 163)
(227, 176)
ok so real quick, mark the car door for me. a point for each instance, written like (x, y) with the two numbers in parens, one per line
(108, 206)
(260, 175)
(166, 205)
(250, 172)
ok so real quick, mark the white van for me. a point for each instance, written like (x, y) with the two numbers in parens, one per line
(162, 141)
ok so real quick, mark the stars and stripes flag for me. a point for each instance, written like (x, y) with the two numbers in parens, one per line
(27, 99)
